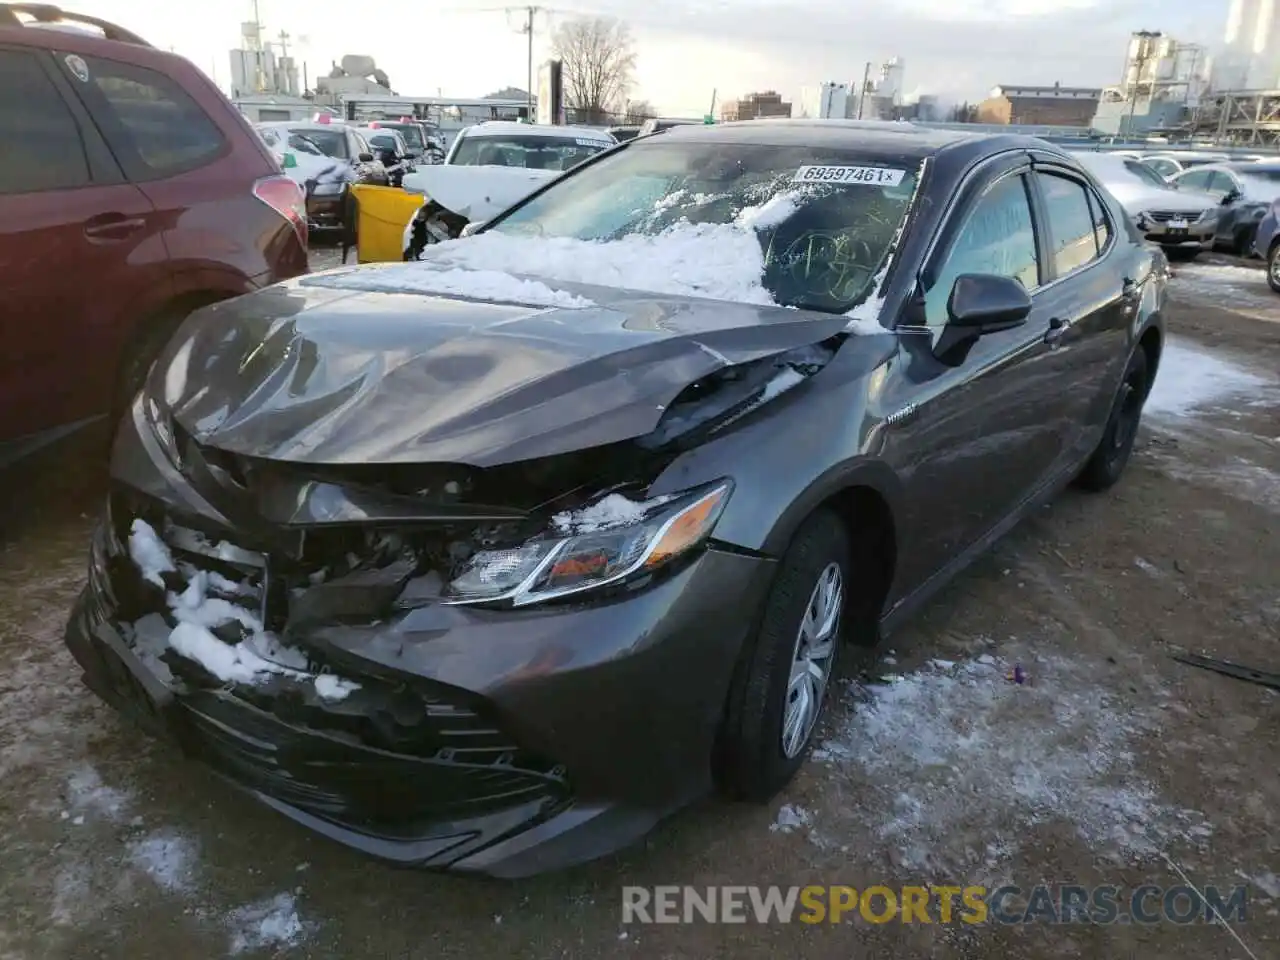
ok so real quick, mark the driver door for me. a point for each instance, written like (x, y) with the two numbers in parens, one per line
(984, 433)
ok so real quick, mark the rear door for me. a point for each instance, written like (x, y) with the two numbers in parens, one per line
(1092, 294)
(78, 245)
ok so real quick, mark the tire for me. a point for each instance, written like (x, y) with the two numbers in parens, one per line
(754, 763)
(1273, 267)
(1108, 461)
(138, 358)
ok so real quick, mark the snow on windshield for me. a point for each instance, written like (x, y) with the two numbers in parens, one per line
(797, 226)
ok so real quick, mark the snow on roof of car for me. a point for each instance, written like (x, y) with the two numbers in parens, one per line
(509, 128)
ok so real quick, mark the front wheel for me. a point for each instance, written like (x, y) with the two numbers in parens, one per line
(1273, 267)
(1108, 461)
(781, 684)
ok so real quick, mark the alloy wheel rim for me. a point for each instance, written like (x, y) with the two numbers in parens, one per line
(1275, 268)
(811, 660)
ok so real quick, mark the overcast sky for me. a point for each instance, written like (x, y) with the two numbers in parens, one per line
(688, 48)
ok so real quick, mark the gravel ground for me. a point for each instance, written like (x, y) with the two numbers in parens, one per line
(1114, 764)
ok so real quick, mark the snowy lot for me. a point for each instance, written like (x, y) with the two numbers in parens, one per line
(1113, 764)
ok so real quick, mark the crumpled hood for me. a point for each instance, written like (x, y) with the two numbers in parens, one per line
(475, 192)
(325, 375)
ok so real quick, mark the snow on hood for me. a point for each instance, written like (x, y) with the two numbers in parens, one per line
(492, 285)
(475, 192)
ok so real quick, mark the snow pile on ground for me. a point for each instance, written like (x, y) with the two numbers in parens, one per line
(200, 608)
(268, 924)
(1189, 378)
(474, 283)
(1227, 285)
(962, 764)
(789, 818)
(167, 857)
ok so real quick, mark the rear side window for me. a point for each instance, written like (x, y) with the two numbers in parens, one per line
(1101, 225)
(1070, 222)
(42, 146)
(154, 127)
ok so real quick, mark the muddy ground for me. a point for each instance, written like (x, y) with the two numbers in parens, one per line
(1115, 764)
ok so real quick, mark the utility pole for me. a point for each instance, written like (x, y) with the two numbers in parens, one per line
(527, 29)
(862, 94)
(259, 78)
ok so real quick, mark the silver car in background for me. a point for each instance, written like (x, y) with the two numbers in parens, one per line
(1182, 221)
(1244, 191)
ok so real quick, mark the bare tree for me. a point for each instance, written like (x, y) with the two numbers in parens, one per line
(597, 62)
(638, 111)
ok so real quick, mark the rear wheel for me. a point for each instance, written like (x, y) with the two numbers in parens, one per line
(781, 684)
(1108, 461)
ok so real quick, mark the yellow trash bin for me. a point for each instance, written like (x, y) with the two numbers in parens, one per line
(382, 213)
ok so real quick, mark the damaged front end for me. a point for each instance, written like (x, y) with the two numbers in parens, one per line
(442, 664)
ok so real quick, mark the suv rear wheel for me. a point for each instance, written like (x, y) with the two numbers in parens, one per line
(1107, 464)
(1273, 267)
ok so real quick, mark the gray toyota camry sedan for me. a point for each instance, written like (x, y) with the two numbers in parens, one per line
(490, 561)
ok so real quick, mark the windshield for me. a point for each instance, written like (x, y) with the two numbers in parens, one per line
(304, 145)
(825, 218)
(411, 133)
(333, 143)
(530, 152)
(385, 141)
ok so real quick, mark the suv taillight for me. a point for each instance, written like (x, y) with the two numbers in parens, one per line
(287, 199)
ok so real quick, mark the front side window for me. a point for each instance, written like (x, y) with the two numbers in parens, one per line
(42, 150)
(159, 129)
(530, 152)
(825, 218)
(1070, 222)
(997, 238)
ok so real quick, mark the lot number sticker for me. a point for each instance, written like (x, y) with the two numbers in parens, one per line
(872, 176)
(584, 142)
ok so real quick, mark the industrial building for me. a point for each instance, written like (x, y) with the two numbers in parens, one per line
(1056, 105)
(1162, 82)
(754, 106)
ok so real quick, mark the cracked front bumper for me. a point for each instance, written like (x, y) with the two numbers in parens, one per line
(499, 742)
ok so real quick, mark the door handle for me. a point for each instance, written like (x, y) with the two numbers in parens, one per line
(112, 226)
(1057, 330)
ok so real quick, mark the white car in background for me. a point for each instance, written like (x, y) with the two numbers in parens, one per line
(1183, 222)
(489, 167)
(1172, 163)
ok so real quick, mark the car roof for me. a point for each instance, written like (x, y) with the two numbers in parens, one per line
(1252, 166)
(874, 137)
(505, 128)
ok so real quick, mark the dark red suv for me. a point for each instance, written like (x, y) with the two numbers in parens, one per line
(131, 193)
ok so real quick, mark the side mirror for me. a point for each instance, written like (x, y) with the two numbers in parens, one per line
(1230, 197)
(365, 158)
(985, 303)
(979, 303)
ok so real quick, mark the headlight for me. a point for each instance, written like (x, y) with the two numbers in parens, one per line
(330, 188)
(611, 542)
(1210, 214)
